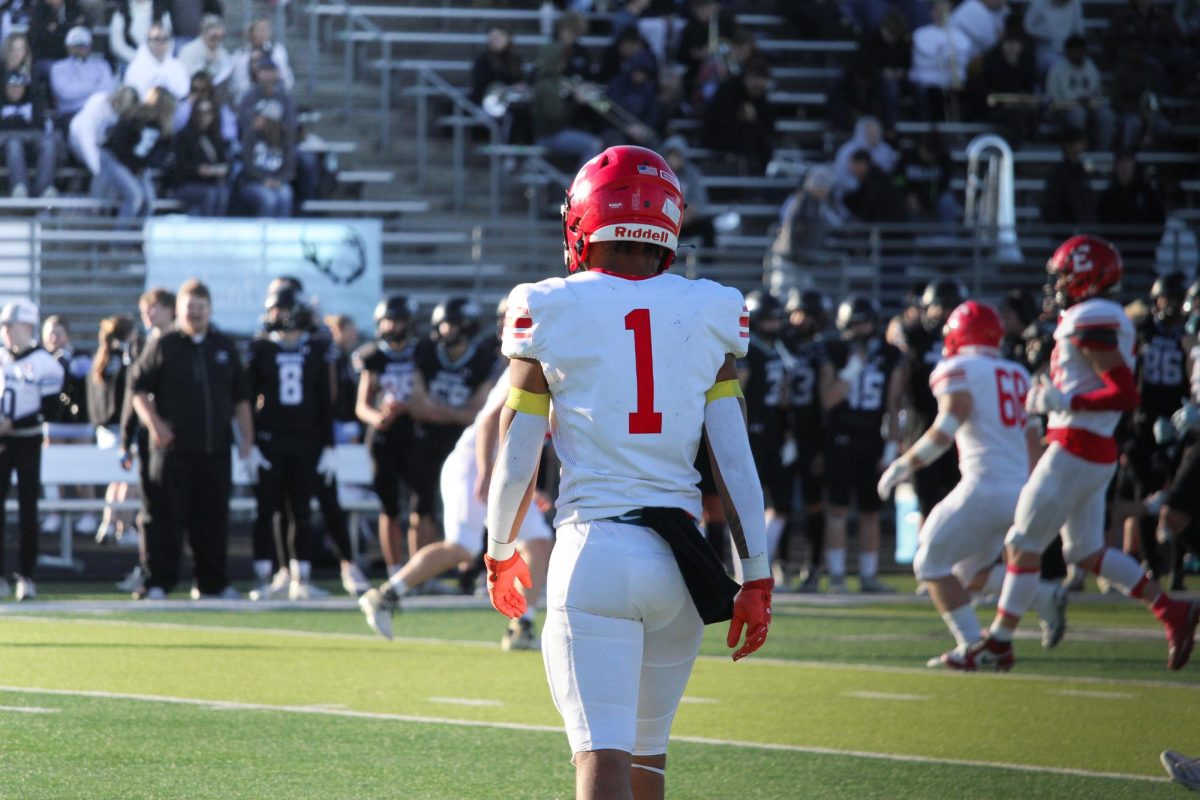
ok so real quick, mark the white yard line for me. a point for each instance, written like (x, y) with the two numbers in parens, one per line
(465, 701)
(916, 698)
(491, 645)
(1093, 695)
(514, 726)
(28, 710)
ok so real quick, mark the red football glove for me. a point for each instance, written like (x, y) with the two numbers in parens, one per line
(751, 609)
(502, 577)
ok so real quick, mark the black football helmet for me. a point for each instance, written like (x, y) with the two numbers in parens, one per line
(815, 304)
(461, 312)
(1169, 296)
(398, 309)
(764, 310)
(286, 311)
(946, 294)
(856, 309)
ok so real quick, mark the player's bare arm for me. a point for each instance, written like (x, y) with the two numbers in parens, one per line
(895, 401)
(244, 419)
(833, 389)
(365, 408)
(487, 439)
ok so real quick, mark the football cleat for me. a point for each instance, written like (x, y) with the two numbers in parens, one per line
(872, 585)
(810, 583)
(1053, 621)
(133, 580)
(520, 636)
(1183, 770)
(302, 590)
(379, 605)
(153, 593)
(277, 587)
(837, 584)
(353, 580)
(986, 654)
(25, 589)
(228, 593)
(1180, 624)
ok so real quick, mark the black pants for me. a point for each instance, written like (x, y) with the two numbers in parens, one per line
(334, 517)
(933, 482)
(193, 494)
(285, 493)
(22, 454)
(151, 496)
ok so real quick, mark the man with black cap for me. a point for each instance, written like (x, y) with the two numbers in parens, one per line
(22, 127)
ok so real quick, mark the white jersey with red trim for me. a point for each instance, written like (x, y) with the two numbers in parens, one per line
(991, 441)
(628, 362)
(1071, 372)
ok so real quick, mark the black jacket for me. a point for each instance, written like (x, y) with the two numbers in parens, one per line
(193, 148)
(195, 387)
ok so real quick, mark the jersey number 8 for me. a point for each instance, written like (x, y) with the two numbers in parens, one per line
(291, 388)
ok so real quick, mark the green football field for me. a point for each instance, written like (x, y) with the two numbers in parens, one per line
(102, 699)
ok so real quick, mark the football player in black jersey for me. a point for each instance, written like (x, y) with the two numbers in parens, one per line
(764, 383)
(67, 415)
(808, 311)
(1163, 374)
(452, 378)
(386, 367)
(288, 374)
(924, 339)
(861, 386)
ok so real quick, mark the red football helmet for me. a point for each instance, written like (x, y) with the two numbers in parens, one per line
(625, 194)
(1082, 267)
(972, 324)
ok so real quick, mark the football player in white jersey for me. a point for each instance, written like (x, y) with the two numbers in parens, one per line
(1091, 383)
(981, 409)
(627, 363)
(465, 475)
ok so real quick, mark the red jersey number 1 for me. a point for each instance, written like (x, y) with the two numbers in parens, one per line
(645, 419)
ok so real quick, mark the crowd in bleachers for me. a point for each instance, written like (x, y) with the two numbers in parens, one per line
(165, 109)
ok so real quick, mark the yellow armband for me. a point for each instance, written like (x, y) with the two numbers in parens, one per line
(729, 388)
(528, 402)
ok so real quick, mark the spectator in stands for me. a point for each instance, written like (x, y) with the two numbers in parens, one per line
(23, 129)
(874, 197)
(806, 218)
(741, 120)
(1154, 26)
(105, 398)
(1050, 23)
(1129, 198)
(729, 61)
(982, 22)
(202, 88)
(939, 65)
(89, 128)
(635, 90)
(78, 76)
(1010, 71)
(130, 27)
(924, 177)
(48, 26)
(1076, 94)
(870, 84)
(868, 137)
(697, 221)
(624, 46)
(187, 17)
(201, 163)
(1137, 82)
(269, 88)
(17, 55)
(189, 463)
(139, 138)
(207, 53)
(269, 164)
(555, 115)
(1068, 198)
(707, 24)
(498, 85)
(154, 66)
(260, 42)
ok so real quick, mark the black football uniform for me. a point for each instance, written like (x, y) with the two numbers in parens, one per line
(26, 381)
(293, 420)
(805, 418)
(68, 406)
(452, 384)
(393, 369)
(933, 481)
(854, 427)
(765, 391)
(1163, 385)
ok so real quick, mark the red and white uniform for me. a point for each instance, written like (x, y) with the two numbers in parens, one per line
(464, 516)
(965, 531)
(1065, 493)
(628, 363)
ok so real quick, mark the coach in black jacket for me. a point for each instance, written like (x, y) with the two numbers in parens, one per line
(188, 385)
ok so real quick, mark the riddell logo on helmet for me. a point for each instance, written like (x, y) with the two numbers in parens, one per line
(640, 234)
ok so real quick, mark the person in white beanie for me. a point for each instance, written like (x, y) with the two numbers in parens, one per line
(78, 76)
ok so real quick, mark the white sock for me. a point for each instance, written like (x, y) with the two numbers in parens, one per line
(1126, 573)
(262, 570)
(775, 527)
(1020, 587)
(301, 570)
(398, 585)
(868, 564)
(392, 571)
(963, 624)
(1044, 597)
(995, 580)
(835, 562)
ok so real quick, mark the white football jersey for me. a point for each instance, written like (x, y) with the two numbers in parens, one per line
(1071, 372)
(628, 363)
(991, 441)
